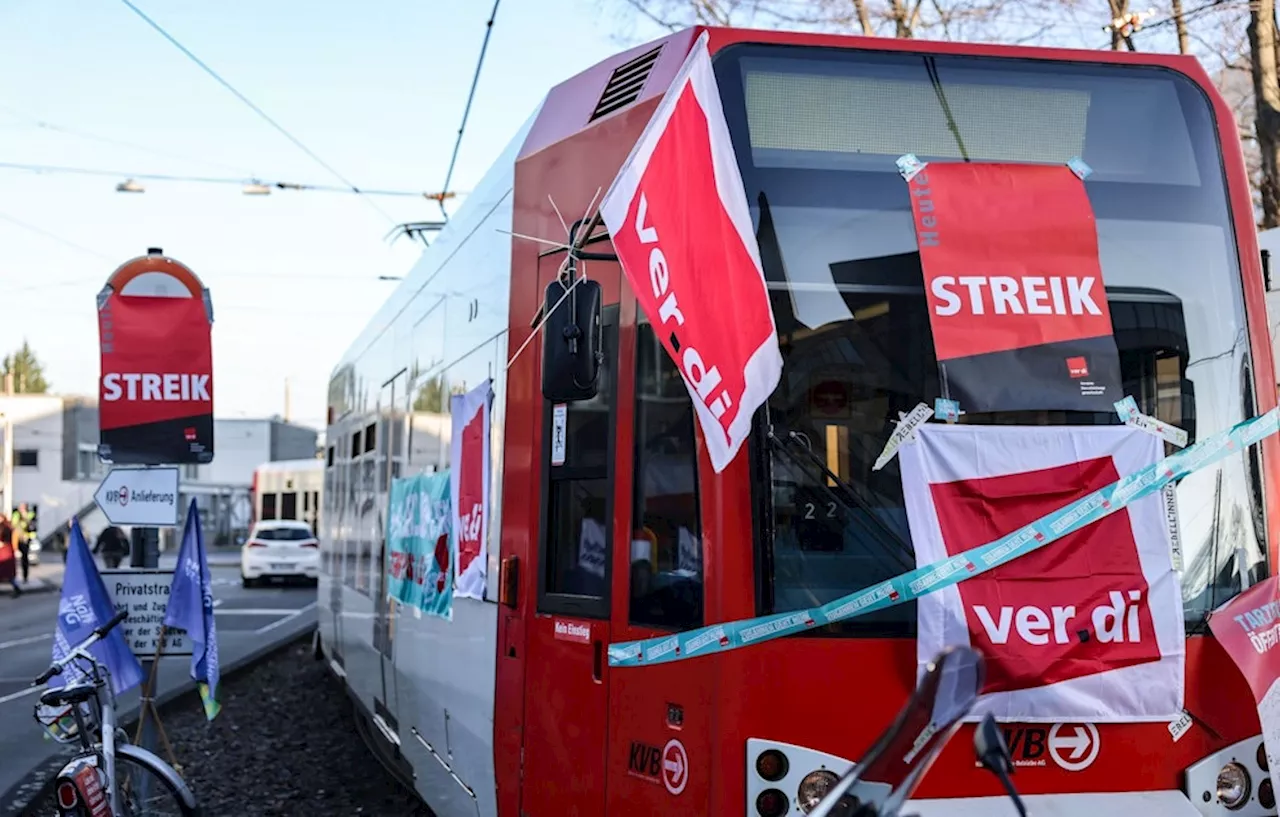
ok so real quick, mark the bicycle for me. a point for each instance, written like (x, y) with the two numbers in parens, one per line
(97, 781)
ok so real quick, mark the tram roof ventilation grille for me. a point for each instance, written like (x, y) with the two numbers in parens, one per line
(625, 84)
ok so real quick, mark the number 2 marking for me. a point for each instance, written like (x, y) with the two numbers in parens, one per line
(809, 509)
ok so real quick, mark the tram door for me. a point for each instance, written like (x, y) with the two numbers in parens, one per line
(390, 461)
(566, 681)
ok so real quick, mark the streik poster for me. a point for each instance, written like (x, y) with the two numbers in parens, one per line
(419, 544)
(1014, 287)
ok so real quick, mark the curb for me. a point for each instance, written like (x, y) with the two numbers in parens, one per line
(38, 586)
(39, 781)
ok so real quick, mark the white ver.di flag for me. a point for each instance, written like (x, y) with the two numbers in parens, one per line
(681, 228)
(1087, 628)
(469, 458)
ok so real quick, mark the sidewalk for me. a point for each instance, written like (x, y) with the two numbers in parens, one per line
(46, 577)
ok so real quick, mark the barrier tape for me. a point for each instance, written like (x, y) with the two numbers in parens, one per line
(921, 581)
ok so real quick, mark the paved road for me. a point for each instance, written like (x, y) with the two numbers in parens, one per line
(247, 619)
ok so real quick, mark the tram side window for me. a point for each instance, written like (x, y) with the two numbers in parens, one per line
(576, 545)
(268, 506)
(666, 538)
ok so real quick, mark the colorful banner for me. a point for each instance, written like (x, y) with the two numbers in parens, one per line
(1014, 286)
(682, 230)
(1070, 631)
(418, 541)
(917, 583)
(469, 457)
(1248, 628)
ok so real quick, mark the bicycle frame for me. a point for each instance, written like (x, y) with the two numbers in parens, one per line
(100, 676)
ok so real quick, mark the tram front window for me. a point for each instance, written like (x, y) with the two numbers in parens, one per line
(817, 133)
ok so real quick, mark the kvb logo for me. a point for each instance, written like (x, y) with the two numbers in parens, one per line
(1074, 746)
(1075, 608)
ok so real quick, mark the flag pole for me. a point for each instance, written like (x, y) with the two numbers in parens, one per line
(148, 703)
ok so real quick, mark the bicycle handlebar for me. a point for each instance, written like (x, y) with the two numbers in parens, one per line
(97, 635)
(102, 631)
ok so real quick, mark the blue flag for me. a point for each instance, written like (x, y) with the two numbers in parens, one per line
(85, 606)
(190, 608)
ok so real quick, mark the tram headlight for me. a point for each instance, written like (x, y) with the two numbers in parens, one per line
(1234, 786)
(772, 765)
(814, 787)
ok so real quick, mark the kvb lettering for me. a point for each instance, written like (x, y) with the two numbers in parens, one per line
(705, 379)
(1116, 622)
(645, 760)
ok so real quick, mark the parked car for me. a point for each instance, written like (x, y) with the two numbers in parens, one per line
(280, 549)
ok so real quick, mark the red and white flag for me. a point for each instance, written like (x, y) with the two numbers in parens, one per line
(1088, 628)
(469, 474)
(682, 230)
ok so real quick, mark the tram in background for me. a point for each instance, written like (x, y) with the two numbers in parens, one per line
(626, 532)
(288, 489)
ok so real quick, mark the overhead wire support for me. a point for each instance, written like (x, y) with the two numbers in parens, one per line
(261, 113)
(466, 112)
(251, 180)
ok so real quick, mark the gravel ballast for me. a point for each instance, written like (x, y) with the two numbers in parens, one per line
(284, 744)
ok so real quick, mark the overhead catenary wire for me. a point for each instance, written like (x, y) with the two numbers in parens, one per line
(466, 111)
(66, 242)
(169, 177)
(107, 140)
(261, 113)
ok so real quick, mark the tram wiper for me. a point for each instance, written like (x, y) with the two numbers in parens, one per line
(896, 548)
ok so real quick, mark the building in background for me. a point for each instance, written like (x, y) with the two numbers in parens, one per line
(50, 461)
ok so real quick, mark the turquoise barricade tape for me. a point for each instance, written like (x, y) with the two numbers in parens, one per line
(912, 585)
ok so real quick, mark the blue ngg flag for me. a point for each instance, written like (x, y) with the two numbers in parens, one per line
(85, 606)
(419, 544)
(190, 608)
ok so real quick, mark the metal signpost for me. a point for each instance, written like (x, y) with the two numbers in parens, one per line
(155, 411)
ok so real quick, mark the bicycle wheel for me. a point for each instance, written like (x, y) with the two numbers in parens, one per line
(149, 787)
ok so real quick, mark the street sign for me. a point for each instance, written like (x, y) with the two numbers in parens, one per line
(155, 388)
(145, 594)
(140, 496)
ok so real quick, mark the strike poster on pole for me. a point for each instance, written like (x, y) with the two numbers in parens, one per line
(418, 541)
(155, 390)
(1089, 627)
(469, 456)
(681, 227)
(1248, 628)
(1014, 287)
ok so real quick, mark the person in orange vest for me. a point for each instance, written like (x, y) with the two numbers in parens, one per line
(8, 565)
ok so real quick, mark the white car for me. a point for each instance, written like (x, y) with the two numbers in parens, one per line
(280, 549)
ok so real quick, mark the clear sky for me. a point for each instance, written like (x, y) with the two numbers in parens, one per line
(376, 89)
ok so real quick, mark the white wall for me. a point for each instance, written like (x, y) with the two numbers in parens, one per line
(239, 447)
(37, 427)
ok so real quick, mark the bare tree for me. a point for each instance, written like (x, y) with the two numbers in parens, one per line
(1180, 26)
(1266, 94)
(1228, 37)
(908, 19)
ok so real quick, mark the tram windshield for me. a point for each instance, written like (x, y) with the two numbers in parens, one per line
(817, 132)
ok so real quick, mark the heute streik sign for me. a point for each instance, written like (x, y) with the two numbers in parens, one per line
(155, 388)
